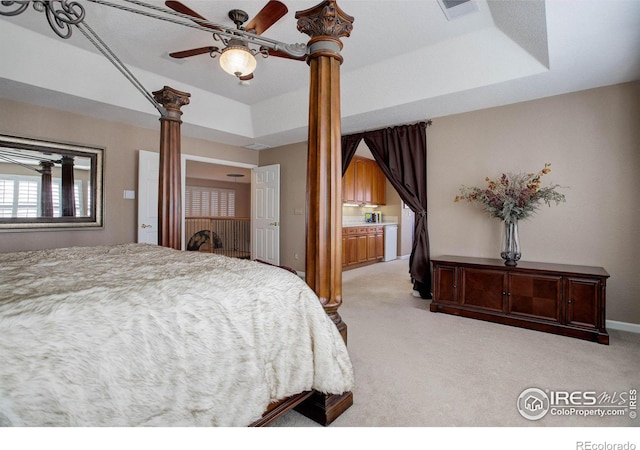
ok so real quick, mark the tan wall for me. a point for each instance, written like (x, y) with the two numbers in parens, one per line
(592, 140)
(293, 198)
(121, 143)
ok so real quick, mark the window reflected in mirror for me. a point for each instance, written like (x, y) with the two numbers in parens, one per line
(47, 184)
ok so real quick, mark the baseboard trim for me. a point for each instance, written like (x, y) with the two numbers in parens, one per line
(404, 256)
(623, 326)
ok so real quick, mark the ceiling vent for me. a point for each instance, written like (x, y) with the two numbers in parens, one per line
(256, 146)
(453, 9)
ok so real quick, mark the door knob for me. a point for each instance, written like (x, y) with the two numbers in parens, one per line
(144, 225)
(274, 224)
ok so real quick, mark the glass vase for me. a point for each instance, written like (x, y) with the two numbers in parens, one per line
(510, 243)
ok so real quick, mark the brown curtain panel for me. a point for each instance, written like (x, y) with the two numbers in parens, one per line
(349, 146)
(401, 153)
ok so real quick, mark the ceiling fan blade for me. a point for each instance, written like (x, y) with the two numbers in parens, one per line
(184, 9)
(268, 15)
(192, 52)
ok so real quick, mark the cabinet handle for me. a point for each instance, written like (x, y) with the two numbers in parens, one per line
(570, 301)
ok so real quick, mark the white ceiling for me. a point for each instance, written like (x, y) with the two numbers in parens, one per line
(404, 62)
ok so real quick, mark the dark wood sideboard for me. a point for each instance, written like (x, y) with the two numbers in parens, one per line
(555, 298)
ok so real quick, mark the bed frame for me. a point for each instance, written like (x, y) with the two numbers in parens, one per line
(278, 409)
(325, 23)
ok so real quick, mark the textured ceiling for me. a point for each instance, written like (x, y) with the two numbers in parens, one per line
(404, 61)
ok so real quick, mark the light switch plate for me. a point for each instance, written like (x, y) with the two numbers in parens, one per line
(130, 195)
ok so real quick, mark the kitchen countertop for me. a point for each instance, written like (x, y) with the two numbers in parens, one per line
(358, 221)
(367, 224)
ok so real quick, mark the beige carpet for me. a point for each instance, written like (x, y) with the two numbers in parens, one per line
(415, 368)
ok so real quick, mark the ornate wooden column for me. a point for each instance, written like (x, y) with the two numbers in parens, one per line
(325, 24)
(170, 188)
(68, 192)
(46, 192)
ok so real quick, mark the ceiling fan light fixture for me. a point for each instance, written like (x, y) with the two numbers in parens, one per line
(237, 60)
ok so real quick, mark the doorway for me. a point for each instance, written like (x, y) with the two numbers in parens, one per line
(207, 174)
(216, 206)
(394, 211)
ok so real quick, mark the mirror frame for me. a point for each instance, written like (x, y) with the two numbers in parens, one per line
(95, 154)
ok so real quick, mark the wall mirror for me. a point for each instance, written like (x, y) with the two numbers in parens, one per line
(49, 185)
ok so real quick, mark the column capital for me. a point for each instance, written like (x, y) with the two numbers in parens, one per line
(325, 20)
(172, 100)
(46, 166)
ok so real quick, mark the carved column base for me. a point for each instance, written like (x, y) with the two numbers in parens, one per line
(325, 408)
(342, 327)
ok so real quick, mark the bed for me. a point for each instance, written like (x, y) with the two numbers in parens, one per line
(119, 366)
(144, 335)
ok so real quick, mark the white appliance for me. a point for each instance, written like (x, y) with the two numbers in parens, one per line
(390, 242)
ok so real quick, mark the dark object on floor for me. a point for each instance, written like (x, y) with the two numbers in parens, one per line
(201, 238)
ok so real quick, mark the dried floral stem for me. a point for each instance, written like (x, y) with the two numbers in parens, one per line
(513, 197)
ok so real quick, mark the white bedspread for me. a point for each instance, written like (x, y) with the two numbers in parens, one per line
(140, 335)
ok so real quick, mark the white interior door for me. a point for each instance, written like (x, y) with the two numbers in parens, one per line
(265, 213)
(148, 180)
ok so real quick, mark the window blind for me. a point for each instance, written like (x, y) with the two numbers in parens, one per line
(209, 202)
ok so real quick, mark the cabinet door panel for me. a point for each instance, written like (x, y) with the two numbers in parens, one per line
(582, 302)
(362, 248)
(378, 195)
(349, 185)
(371, 247)
(360, 180)
(484, 288)
(445, 284)
(367, 167)
(380, 245)
(535, 296)
(344, 250)
(352, 249)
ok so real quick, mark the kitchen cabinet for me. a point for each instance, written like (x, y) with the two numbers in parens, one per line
(349, 184)
(555, 298)
(362, 245)
(363, 183)
(375, 244)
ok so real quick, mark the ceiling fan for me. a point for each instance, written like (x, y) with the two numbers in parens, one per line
(236, 58)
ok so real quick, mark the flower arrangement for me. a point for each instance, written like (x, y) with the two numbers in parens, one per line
(512, 196)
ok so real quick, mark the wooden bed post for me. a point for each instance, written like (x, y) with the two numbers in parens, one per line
(170, 187)
(325, 24)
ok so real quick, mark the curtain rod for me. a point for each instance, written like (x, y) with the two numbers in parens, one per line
(427, 122)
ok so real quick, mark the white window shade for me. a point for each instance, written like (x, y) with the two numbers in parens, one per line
(209, 202)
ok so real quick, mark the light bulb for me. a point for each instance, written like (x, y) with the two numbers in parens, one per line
(237, 60)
